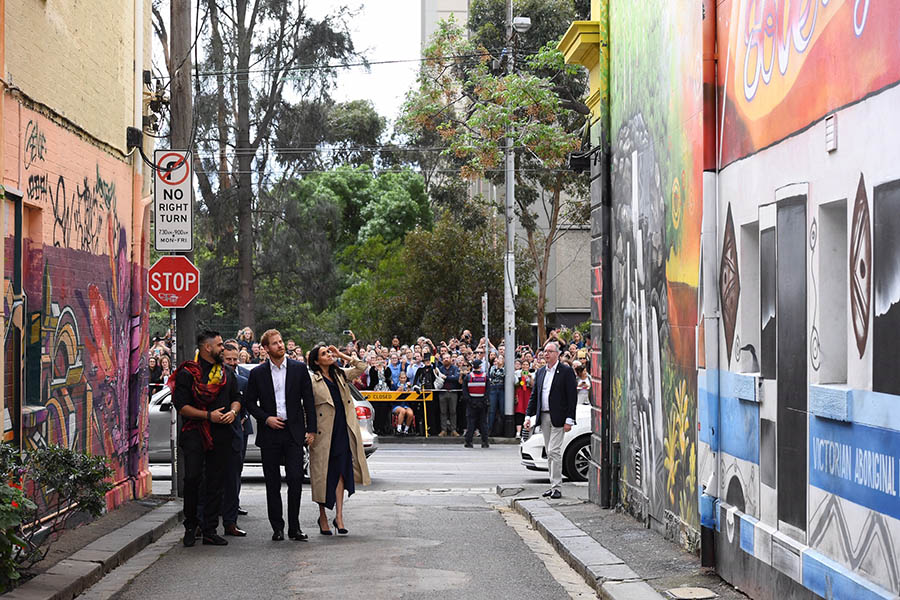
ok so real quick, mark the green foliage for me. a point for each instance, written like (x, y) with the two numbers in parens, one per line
(64, 479)
(432, 283)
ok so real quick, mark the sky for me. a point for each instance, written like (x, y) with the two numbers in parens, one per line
(381, 30)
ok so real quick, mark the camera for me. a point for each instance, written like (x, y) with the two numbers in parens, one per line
(347, 332)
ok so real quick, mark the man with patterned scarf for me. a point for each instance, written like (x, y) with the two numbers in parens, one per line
(205, 393)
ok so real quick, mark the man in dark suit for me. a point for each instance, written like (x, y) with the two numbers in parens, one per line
(243, 427)
(279, 395)
(552, 406)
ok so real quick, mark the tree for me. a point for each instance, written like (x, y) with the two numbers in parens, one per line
(473, 108)
(432, 283)
(254, 52)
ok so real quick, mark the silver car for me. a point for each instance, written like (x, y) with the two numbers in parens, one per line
(161, 410)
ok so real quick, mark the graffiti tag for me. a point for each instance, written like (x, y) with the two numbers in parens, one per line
(35, 144)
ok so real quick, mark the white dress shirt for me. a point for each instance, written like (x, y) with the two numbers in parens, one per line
(279, 376)
(545, 390)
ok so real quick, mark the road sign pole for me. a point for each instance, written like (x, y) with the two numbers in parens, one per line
(173, 414)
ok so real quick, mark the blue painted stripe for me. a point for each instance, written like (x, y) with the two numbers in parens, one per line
(740, 428)
(856, 462)
(708, 511)
(708, 408)
(829, 579)
(875, 409)
(737, 385)
(748, 529)
(830, 402)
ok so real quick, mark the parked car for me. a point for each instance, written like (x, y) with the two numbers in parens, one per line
(160, 415)
(576, 448)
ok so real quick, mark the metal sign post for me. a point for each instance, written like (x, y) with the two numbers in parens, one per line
(173, 414)
(484, 320)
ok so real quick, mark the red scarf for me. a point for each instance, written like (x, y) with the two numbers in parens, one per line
(204, 395)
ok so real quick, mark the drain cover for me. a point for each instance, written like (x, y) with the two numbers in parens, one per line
(691, 593)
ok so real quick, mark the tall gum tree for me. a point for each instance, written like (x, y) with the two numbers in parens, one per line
(465, 94)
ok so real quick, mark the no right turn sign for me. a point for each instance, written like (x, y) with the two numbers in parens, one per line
(173, 201)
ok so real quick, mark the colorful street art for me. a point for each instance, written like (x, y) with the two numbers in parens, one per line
(791, 63)
(657, 207)
(84, 306)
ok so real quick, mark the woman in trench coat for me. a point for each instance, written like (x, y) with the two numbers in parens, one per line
(337, 461)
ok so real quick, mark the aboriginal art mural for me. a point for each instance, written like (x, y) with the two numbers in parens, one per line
(75, 304)
(791, 63)
(656, 117)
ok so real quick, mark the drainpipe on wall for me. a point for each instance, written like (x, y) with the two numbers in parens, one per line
(711, 314)
(2, 207)
(138, 297)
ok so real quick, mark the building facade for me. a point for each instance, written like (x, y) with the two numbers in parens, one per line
(76, 224)
(746, 209)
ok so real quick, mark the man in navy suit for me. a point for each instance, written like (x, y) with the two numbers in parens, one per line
(279, 395)
(552, 406)
(243, 427)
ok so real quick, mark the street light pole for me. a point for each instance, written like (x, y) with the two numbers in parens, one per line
(509, 261)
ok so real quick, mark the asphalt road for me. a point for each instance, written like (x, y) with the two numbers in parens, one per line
(430, 526)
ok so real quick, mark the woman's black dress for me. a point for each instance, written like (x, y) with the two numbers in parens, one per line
(340, 459)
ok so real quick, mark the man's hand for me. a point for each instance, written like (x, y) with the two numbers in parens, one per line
(310, 439)
(567, 427)
(527, 424)
(275, 422)
(221, 416)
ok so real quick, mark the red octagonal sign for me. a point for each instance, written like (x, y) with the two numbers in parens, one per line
(174, 281)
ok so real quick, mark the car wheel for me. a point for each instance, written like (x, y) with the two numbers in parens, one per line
(577, 460)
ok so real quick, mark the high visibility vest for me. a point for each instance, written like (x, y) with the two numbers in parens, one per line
(477, 384)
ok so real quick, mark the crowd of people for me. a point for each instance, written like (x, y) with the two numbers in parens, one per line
(216, 400)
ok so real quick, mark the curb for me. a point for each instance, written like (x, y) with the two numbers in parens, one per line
(71, 576)
(605, 572)
(384, 440)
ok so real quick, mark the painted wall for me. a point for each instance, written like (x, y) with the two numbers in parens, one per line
(75, 241)
(808, 431)
(656, 102)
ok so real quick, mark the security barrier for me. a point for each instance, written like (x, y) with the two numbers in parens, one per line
(397, 397)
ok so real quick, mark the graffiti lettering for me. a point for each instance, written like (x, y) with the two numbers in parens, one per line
(77, 219)
(773, 30)
(35, 144)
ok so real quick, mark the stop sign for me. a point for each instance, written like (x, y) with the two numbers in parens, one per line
(174, 281)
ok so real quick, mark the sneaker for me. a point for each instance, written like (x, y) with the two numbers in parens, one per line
(190, 537)
(519, 436)
(442, 434)
(406, 430)
(454, 433)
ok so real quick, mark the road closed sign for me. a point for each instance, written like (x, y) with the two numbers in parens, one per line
(173, 201)
(174, 281)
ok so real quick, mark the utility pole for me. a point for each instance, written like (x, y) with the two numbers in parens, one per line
(181, 104)
(509, 262)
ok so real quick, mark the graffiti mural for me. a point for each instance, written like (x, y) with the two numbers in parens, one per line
(729, 284)
(86, 308)
(886, 204)
(860, 266)
(791, 63)
(656, 189)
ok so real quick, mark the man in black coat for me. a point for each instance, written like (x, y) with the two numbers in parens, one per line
(279, 395)
(552, 406)
(243, 428)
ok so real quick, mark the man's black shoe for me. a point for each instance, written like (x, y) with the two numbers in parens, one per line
(485, 445)
(242, 512)
(556, 495)
(212, 539)
(298, 536)
(468, 445)
(548, 493)
(190, 537)
(278, 536)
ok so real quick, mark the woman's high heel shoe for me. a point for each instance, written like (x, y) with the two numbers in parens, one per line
(339, 529)
(322, 531)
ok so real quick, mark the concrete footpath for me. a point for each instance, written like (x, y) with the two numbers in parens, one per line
(614, 553)
(80, 570)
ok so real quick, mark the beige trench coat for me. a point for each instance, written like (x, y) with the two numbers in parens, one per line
(319, 451)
